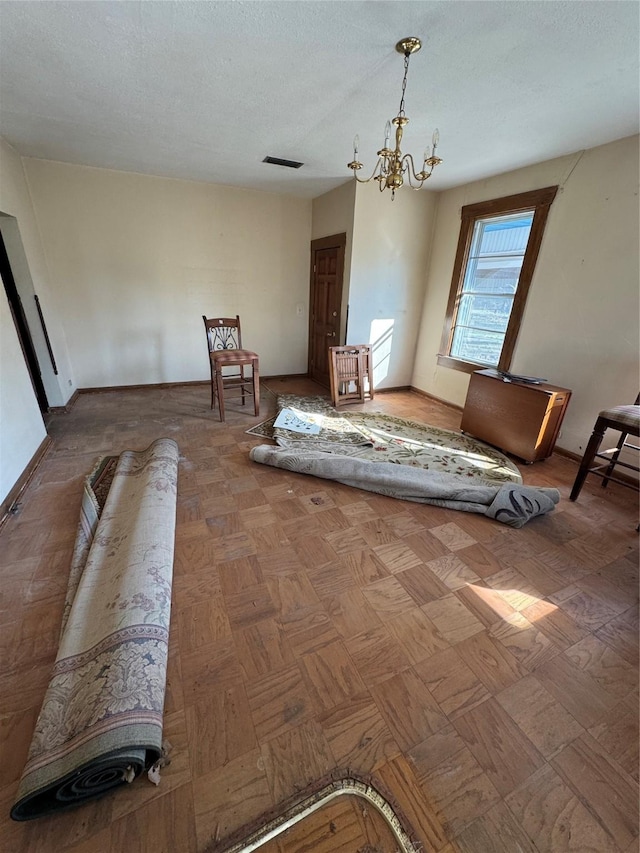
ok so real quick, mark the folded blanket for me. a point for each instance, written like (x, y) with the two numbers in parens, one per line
(508, 503)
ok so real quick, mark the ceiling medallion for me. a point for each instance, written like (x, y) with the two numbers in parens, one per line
(393, 165)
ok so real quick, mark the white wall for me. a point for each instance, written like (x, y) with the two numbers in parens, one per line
(137, 261)
(391, 245)
(581, 323)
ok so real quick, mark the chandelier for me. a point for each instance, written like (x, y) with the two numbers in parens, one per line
(393, 165)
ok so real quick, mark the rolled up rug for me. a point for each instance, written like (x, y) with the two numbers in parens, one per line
(101, 719)
(509, 503)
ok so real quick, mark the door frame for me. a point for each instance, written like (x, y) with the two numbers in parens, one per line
(22, 328)
(335, 241)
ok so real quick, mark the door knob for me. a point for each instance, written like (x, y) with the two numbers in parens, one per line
(331, 334)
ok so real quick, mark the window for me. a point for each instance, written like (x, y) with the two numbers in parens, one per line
(497, 252)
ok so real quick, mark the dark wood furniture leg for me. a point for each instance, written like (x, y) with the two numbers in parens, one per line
(614, 459)
(212, 382)
(256, 386)
(220, 393)
(589, 455)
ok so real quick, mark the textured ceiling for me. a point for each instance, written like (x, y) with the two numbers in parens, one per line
(204, 90)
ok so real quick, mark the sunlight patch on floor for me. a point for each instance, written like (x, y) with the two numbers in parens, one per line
(516, 598)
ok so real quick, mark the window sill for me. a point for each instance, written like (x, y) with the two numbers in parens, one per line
(457, 364)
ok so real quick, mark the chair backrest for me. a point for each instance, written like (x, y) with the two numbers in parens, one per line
(223, 333)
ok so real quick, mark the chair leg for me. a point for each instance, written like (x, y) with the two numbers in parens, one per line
(614, 459)
(592, 448)
(212, 383)
(333, 379)
(242, 380)
(256, 387)
(220, 393)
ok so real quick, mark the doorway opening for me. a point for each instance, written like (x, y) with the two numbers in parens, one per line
(22, 328)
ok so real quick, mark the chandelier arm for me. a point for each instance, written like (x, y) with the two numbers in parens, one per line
(371, 177)
(410, 168)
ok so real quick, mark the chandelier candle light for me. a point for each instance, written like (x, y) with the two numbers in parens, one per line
(392, 164)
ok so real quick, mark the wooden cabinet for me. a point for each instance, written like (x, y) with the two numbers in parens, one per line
(518, 417)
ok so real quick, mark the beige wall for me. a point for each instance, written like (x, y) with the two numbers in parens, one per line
(138, 260)
(391, 245)
(21, 426)
(580, 328)
(333, 214)
(24, 247)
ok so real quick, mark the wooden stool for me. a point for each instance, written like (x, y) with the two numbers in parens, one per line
(225, 350)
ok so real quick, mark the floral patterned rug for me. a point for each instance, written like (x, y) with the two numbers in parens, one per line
(335, 429)
(101, 720)
(378, 437)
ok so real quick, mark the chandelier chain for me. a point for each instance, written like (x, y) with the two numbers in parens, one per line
(404, 83)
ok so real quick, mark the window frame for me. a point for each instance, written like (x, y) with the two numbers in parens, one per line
(537, 200)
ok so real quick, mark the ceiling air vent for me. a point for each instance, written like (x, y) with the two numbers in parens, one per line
(278, 161)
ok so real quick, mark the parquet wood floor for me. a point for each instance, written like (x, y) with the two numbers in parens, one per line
(487, 677)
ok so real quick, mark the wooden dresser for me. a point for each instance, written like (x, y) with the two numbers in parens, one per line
(518, 417)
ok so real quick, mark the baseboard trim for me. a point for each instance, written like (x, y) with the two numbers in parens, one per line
(391, 390)
(575, 457)
(23, 480)
(282, 376)
(436, 399)
(64, 410)
(627, 479)
(105, 389)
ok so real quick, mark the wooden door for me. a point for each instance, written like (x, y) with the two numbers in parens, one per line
(327, 269)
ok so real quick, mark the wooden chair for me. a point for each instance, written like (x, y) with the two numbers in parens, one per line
(224, 340)
(348, 367)
(625, 419)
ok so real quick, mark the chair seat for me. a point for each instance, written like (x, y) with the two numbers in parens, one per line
(627, 416)
(233, 356)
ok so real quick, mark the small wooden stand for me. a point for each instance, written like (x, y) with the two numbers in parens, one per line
(518, 417)
(348, 367)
